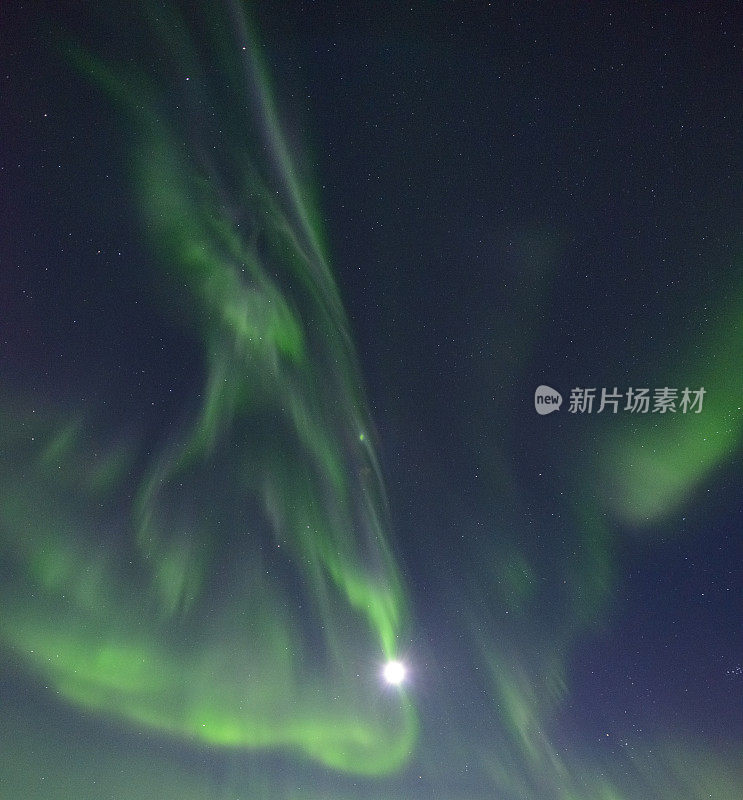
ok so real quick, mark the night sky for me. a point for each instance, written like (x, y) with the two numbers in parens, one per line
(279, 519)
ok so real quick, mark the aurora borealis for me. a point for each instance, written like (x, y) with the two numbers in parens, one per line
(278, 519)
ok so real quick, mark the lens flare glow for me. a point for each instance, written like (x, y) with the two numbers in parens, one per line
(394, 672)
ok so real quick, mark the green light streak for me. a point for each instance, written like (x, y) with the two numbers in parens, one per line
(237, 589)
(652, 464)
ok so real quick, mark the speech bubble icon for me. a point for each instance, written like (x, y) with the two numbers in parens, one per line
(547, 400)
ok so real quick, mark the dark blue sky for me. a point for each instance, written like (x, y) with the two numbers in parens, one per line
(512, 194)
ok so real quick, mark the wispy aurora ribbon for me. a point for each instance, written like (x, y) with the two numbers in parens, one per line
(234, 584)
(201, 611)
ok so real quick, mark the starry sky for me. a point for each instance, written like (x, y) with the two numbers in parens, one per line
(278, 287)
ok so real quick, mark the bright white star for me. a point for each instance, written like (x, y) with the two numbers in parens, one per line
(394, 672)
